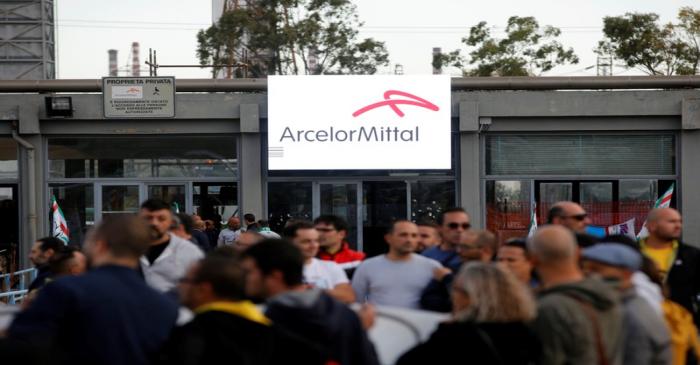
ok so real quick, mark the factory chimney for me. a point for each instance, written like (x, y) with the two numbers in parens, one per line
(113, 62)
(135, 60)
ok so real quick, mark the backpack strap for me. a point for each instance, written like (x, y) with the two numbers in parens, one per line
(486, 339)
(597, 333)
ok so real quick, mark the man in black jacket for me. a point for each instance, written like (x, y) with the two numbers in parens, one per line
(107, 316)
(274, 272)
(226, 328)
(40, 255)
(678, 262)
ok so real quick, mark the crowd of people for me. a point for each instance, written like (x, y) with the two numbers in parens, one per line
(160, 288)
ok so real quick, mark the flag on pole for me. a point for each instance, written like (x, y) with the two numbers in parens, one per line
(533, 221)
(59, 224)
(663, 202)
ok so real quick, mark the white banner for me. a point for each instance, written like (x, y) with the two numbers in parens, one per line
(626, 228)
(359, 122)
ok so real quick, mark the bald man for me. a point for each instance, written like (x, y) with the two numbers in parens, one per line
(569, 215)
(574, 313)
(679, 263)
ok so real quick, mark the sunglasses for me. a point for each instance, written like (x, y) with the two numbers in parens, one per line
(453, 225)
(578, 217)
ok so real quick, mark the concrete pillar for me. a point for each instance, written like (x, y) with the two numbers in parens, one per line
(34, 220)
(470, 162)
(250, 159)
(690, 170)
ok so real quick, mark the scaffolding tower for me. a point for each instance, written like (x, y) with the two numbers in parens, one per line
(27, 40)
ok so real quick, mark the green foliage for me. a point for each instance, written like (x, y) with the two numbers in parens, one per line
(657, 49)
(292, 37)
(526, 50)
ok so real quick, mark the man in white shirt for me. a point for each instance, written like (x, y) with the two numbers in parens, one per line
(321, 274)
(399, 277)
(230, 234)
(169, 256)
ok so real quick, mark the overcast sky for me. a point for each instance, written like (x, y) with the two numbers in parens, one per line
(88, 28)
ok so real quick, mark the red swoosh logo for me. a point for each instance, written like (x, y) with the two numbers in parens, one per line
(393, 103)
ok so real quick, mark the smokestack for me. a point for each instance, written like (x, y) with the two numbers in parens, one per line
(313, 60)
(135, 60)
(113, 62)
(436, 52)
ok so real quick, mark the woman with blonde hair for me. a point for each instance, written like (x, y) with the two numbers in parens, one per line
(491, 312)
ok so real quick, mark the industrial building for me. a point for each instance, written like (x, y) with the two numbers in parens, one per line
(613, 144)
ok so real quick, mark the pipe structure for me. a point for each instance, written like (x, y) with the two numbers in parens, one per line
(113, 67)
(135, 60)
(31, 186)
(458, 83)
(576, 83)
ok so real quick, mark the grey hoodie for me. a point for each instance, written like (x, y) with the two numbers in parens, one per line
(567, 332)
(647, 340)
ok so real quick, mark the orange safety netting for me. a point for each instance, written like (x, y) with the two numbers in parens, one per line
(512, 219)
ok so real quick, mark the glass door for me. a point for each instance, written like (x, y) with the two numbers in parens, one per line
(126, 198)
(552, 192)
(173, 194)
(215, 201)
(596, 197)
(342, 199)
(383, 202)
(117, 199)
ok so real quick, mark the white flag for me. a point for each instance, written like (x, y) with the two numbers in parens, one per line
(59, 224)
(626, 228)
(533, 221)
(663, 202)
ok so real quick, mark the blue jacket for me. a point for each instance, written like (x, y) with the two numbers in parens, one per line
(107, 316)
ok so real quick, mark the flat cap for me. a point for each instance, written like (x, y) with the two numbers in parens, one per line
(614, 254)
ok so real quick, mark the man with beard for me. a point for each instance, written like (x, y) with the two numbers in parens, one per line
(678, 262)
(42, 251)
(274, 273)
(227, 327)
(169, 256)
(398, 277)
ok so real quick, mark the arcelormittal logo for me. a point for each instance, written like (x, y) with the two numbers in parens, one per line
(393, 103)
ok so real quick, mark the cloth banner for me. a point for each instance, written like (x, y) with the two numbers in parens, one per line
(626, 228)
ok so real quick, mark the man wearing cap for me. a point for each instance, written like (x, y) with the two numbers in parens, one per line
(647, 340)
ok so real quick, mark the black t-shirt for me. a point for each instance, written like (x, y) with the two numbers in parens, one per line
(155, 251)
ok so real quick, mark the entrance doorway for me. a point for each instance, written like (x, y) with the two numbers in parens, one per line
(342, 199)
(85, 203)
(125, 198)
(9, 235)
(369, 207)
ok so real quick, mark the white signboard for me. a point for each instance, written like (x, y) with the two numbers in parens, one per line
(359, 122)
(138, 97)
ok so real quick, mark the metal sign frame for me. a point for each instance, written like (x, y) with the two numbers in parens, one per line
(139, 81)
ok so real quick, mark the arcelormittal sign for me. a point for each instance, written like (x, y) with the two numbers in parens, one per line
(359, 122)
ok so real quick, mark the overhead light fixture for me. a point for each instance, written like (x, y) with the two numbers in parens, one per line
(59, 106)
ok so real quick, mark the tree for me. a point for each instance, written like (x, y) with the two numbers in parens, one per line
(641, 42)
(689, 26)
(526, 50)
(291, 37)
